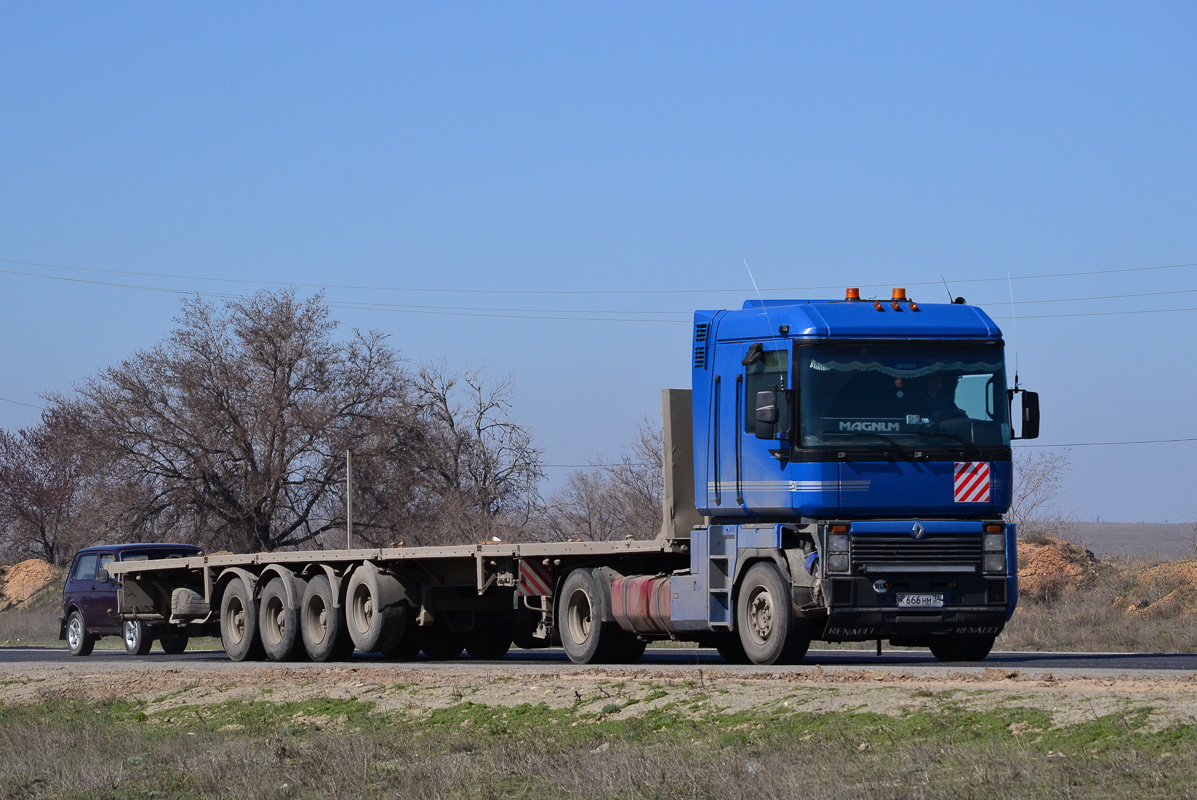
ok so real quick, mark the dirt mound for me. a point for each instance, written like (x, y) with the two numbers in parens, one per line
(1048, 566)
(1163, 590)
(22, 582)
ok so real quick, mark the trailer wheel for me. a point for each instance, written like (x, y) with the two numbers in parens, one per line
(278, 622)
(239, 623)
(961, 648)
(173, 645)
(375, 611)
(584, 635)
(411, 643)
(442, 644)
(491, 639)
(138, 639)
(769, 631)
(322, 625)
(79, 641)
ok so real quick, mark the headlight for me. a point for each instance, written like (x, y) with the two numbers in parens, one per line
(837, 543)
(994, 562)
(995, 543)
(837, 562)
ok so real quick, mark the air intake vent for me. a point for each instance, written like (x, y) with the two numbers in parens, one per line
(898, 552)
(700, 346)
(841, 593)
(997, 593)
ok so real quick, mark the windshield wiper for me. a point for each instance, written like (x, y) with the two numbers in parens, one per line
(887, 440)
(968, 445)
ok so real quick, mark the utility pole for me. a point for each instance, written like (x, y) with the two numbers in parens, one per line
(348, 501)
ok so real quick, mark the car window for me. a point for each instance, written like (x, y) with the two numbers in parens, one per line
(85, 570)
(145, 555)
(102, 573)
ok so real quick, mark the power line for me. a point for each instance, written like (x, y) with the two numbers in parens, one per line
(1111, 444)
(18, 402)
(208, 278)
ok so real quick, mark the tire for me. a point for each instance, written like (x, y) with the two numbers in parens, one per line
(138, 639)
(376, 611)
(961, 648)
(173, 645)
(278, 621)
(491, 639)
(411, 643)
(322, 624)
(442, 644)
(731, 649)
(239, 623)
(581, 608)
(769, 632)
(79, 641)
(631, 649)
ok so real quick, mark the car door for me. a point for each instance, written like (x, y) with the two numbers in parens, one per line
(99, 608)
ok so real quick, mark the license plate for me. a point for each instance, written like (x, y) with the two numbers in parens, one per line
(920, 600)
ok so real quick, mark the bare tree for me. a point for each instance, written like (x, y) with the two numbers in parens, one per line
(483, 466)
(40, 495)
(236, 427)
(1038, 480)
(614, 499)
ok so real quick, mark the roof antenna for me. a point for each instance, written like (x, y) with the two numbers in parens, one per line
(945, 285)
(764, 307)
(1014, 314)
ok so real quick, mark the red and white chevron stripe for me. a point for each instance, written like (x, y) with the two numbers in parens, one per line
(536, 580)
(972, 482)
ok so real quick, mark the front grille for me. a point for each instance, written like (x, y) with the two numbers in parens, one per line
(997, 592)
(841, 593)
(886, 552)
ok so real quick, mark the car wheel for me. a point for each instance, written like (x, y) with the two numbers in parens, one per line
(138, 639)
(79, 641)
(173, 645)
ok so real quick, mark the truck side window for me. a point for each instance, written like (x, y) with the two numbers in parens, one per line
(770, 372)
(85, 570)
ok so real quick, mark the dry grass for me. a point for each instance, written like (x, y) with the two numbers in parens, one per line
(73, 748)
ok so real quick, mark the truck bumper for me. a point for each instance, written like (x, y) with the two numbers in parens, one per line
(909, 627)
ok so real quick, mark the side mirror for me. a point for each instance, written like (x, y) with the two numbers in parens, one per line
(102, 576)
(1029, 413)
(766, 414)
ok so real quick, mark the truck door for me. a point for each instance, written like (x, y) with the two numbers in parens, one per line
(754, 470)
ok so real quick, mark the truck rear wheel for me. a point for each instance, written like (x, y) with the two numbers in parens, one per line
(375, 611)
(584, 635)
(138, 639)
(322, 624)
(239, 623)
(79, 641)
(278, 622)
(961, 648)
(769, 631)
(491, 639)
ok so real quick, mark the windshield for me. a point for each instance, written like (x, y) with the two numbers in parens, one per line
(903, 395)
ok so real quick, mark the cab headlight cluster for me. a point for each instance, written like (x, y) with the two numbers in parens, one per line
(837, 552)
(994, 546)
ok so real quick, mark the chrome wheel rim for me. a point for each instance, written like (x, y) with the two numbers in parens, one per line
(75, 633)
(131, 635)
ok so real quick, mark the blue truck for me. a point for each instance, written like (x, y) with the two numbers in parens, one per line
(838, 471)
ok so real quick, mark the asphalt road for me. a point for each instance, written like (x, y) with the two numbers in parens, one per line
(657, 659)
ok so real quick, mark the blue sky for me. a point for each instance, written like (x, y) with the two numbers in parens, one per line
(620, 163)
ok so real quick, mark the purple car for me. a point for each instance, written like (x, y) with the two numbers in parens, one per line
(89, 601)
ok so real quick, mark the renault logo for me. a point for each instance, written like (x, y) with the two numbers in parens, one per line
(918, 531)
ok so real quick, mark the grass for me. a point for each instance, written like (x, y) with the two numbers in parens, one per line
(332, 748)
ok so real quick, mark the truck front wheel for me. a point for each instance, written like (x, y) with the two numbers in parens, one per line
(764, 615)
(239, 623)
(961, 648)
